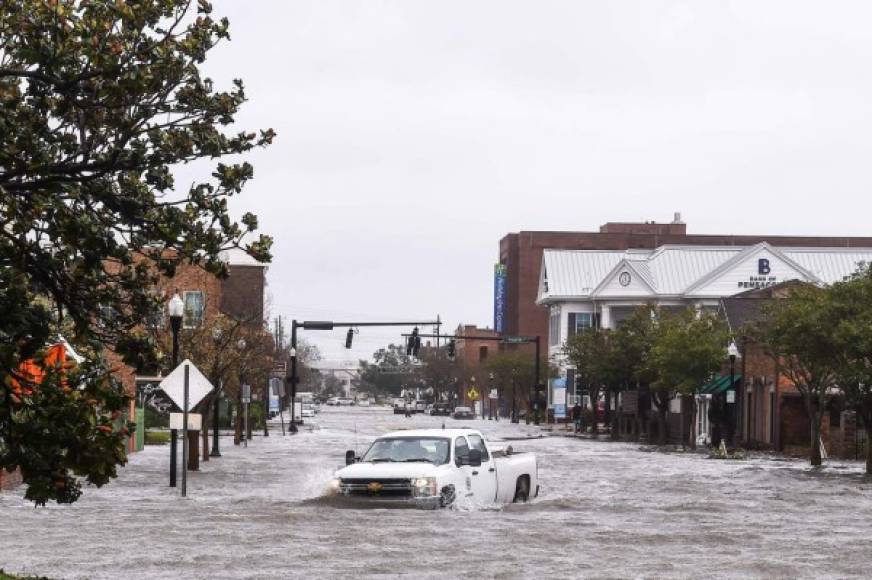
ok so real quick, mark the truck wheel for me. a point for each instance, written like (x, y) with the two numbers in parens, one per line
(522, 490)
(447, 496)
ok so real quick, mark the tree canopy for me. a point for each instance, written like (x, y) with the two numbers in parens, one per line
(99, 102)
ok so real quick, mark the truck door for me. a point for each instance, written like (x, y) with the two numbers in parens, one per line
(484, 477)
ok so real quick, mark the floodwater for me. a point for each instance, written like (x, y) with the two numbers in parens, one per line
(606, 510)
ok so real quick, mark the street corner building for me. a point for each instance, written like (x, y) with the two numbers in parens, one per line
(581, 289)
(241, 295)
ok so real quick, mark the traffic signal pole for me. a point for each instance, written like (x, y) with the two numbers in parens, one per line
(293, 377)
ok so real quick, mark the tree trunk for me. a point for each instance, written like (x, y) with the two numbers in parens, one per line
(237, 428)
(594, 403)
(816, 438)
(868, 428)
(661, 415)
(206, 435)
(693, 412)
(193, 451)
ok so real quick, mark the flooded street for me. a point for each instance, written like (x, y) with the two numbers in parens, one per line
(605, 510)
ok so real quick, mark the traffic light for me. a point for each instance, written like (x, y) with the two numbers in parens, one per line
(349, 337)
(451, 348)
(414, 344)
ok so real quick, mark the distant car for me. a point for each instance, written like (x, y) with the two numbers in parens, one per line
(343, 401)
(308, 412)
(463, 413)
(333, 401)
(363, 403)
(440, 409)
(419, 407)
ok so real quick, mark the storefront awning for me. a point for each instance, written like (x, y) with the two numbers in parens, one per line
(718, 385)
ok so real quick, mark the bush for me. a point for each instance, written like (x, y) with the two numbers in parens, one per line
(157, 437)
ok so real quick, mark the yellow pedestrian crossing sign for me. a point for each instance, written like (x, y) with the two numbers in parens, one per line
(472, 394)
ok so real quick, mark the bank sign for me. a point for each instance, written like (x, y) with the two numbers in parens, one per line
(764, 277)
(500, 298)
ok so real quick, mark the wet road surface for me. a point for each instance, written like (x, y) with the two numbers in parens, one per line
(606, 510)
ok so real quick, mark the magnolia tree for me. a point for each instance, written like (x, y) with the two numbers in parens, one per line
(688, 349)
(99, 101)
(800, 333)
(850, 304)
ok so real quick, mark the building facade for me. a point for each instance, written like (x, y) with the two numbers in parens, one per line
(520, 259)
(580, 289)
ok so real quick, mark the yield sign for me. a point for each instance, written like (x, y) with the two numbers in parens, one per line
(174, 385)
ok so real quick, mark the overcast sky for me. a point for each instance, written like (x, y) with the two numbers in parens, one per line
(413, 135)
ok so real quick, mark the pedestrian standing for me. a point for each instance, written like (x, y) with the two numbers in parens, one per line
(576, 416)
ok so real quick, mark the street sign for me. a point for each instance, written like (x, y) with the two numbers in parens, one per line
(493, 395)
(515, 340)
(195, 421)
(279, 369)
(277, 386)
(174, 385)
(246, 393)
(472, 394)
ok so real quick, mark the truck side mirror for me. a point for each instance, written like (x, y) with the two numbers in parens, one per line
(349, 457)
(474, 458)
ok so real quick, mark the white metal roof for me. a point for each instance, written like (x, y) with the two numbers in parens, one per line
(675, 270)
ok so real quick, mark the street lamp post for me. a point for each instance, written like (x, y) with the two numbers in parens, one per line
(240, 346)
(176, 308)
(733, 353)
(216, 451)
(490, 388)
(292, 428)
(514, 418)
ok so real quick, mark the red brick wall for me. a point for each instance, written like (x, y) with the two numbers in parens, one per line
(8, 480)
(242, 293)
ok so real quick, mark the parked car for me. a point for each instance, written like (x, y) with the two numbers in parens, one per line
(440, 409)
(419, 406)
(345, 401)
(463, 413)
(333, 401)
(363, 403)
(308, 411)
(430, 468)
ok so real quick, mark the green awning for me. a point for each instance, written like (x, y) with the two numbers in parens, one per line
(718, 385)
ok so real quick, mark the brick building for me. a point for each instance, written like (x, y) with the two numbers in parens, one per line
(240, 296)
(772, 412)
(521, 258)
(473, 354)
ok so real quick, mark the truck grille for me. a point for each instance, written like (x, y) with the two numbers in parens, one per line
(376, 487)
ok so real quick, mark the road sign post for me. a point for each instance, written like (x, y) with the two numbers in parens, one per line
(246, 400)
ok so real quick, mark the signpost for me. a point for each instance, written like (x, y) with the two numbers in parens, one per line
(186, 387)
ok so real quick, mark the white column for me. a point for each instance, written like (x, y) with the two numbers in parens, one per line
(605, 317)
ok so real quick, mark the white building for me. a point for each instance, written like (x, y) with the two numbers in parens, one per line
(583, 288)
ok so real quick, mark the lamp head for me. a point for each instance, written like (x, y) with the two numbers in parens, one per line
(732, 350)
(176, 306)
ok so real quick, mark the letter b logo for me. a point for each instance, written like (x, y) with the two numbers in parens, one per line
(763, 266)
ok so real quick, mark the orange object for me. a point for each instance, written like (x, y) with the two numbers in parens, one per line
(33, 371)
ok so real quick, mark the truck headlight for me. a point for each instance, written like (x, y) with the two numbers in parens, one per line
(424, 487)
(333, 486)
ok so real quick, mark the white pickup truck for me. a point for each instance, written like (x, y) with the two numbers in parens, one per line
(432, 468)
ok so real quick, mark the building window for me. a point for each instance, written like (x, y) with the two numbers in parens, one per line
(482, 353)
(554, 328)
(194, 304)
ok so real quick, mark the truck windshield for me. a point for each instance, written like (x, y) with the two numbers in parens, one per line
(409, 450)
